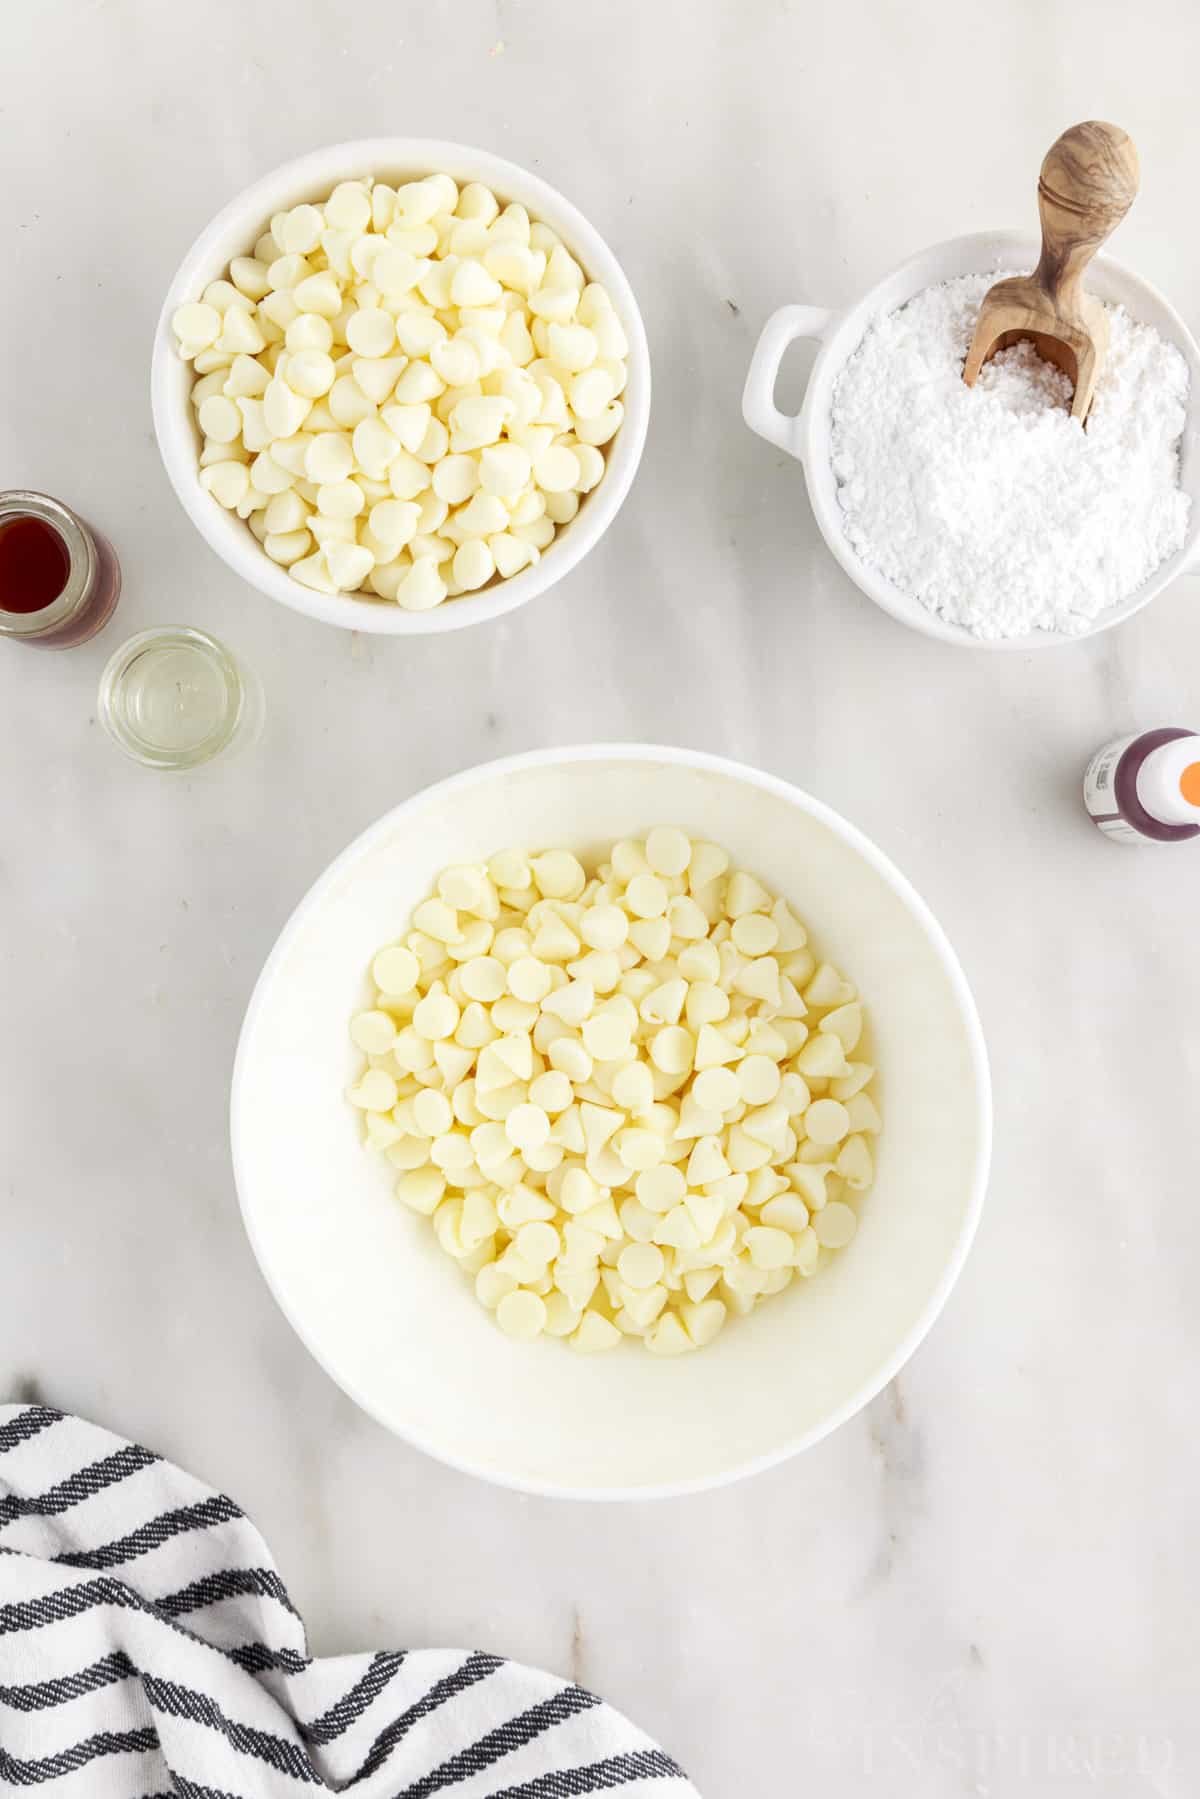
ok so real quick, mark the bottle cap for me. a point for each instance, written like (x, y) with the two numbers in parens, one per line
(1168, 782)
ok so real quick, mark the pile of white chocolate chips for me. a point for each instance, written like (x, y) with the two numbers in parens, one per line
(629, 1101)
(404, 390)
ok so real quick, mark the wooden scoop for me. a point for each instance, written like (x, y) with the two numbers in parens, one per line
(1086, 186)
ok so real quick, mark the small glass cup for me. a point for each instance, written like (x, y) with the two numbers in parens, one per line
(176, 698)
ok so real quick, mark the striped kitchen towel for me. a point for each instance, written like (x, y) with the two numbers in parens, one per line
(148, 1647)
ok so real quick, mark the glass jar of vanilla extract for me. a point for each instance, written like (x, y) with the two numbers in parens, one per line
(59, 579)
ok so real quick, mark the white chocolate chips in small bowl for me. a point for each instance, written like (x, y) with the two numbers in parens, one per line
(406, 391)
(630, 1102)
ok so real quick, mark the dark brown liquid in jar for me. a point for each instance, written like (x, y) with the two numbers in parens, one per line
(59, 578)
(34, 565)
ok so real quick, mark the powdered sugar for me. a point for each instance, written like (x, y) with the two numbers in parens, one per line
(991, 505)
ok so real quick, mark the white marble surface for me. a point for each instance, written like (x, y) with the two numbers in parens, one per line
(987, 1583)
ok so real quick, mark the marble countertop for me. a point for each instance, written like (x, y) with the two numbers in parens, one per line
(986, 1583)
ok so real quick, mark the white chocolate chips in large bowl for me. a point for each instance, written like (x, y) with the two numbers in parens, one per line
(406, 389)
(363, 1277)
(630, 1102)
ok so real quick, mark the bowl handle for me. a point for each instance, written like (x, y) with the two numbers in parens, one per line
(758, 397)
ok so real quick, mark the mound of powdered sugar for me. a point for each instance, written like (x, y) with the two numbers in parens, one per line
(991, 505)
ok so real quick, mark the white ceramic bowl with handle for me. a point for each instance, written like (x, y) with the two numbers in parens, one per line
(393, 1319)
(233, 233)
(807, 435)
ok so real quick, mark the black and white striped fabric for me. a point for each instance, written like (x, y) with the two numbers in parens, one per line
(149, 1648)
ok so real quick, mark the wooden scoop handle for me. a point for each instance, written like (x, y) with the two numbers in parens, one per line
(1087, 184)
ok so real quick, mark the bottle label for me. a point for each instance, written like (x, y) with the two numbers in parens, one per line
(1119, 831)
(1098, 794)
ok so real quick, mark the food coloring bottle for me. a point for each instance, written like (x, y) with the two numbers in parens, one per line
(1146, 788)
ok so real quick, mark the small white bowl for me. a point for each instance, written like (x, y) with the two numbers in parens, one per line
(233, 233)
(392, 1318)
(807, 436)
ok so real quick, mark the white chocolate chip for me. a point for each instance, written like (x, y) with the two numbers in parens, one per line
(422, 588)
(196, 325)
(395, 971)
(595, 1333)
(226, 481)
(826, 1121)
(521, 1315)
(835, 1225)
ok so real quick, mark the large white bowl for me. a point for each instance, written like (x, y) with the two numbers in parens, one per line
(233, 233)
(807, 435)
(393, 1320)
